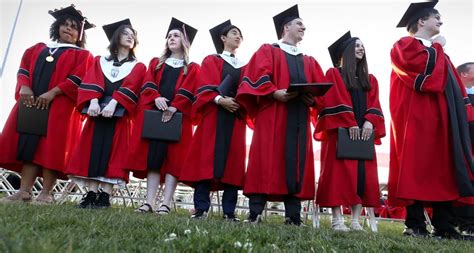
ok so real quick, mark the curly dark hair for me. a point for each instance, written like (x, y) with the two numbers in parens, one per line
(115, 42)
(54, 29)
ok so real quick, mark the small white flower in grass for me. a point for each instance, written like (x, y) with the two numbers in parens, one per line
(187, 231)
(237, 244)
(274, 246)
(172, 236)
(248, 245)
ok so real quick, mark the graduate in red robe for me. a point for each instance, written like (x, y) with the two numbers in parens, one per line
(216, 158)
(281, 163)
(169, 87)
(48, 78)
(352, 103)
(430, 151)
(109, 92)
(464, 215)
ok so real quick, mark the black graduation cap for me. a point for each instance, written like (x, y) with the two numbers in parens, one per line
(111, 28)
(337, 48)
(71, 10)
(415, 11)
(216, 35)
(189, 31)
(284, 17)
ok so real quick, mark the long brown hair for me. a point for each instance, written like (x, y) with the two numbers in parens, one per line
(353, 69)
(115, 42)
(167, 53)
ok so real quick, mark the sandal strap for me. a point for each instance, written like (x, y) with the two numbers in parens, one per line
(160, 210)
(150, 209)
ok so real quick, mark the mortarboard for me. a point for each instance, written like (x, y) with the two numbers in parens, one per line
(72, 11)
(415, 11)
(216, 33)
(337, 48)
(111, 28)
(188, 31)
(284, 17)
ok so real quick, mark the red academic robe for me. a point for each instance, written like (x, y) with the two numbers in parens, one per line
(63, 123)
(267, 72)
(199, 164)
(421, 149)
(183, 100)
(92, 87)
(338, 179)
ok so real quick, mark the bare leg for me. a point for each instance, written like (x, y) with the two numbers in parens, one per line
(338, 220)
(336, 212)
(355, 215)
(355, 212)
(28, 176)
(93, 185)
(29, 173)
(170, 187)
(152, 184)
(49, 180)
(107, 188)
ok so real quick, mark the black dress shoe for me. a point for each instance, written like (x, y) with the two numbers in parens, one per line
(102, 201)
(467, 230)
(231, 217)
(296, 221)
(88, 200)
(199, 215)
(416, 232)
(253, 218)
(450, 234)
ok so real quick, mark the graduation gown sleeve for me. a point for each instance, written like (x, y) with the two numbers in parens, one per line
(184, 97)
(24, 76)
(420, 68)
(127, 94)
(149, 91)
(81, 63)
(210, 78)
(92, 86)
(257, 87)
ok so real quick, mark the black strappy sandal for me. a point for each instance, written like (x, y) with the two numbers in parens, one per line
(163, 210)
(145, 208)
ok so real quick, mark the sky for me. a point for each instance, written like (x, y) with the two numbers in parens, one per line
(373, 21)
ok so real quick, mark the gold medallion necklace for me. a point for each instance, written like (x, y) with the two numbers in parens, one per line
(50, 57)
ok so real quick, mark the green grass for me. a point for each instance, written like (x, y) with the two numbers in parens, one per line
(63, 228)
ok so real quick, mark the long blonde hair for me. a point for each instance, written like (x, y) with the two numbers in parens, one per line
(167, 52)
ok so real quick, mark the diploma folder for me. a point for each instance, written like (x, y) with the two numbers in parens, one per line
(103, 102)
(154, 128)
(32, 120)
(315, 89)
(354, 149)
(227, 87)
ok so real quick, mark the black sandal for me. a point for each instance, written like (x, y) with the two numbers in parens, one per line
(145, 208)
(163, 210)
